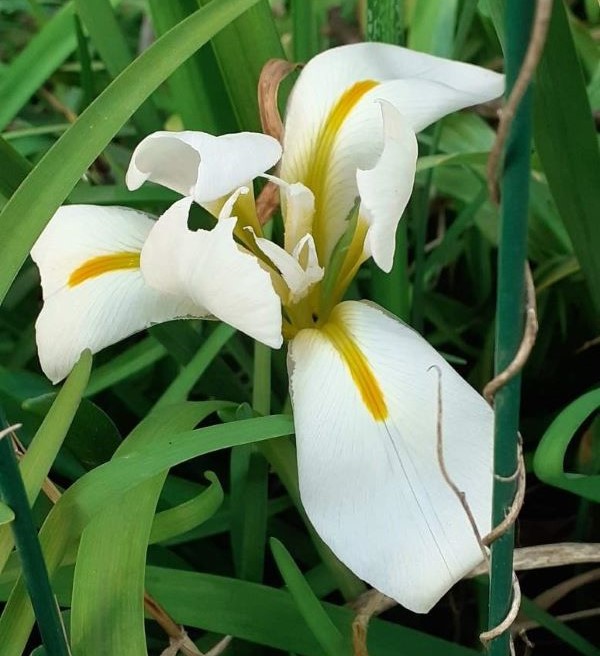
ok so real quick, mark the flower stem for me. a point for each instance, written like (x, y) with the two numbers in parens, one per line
(35, 574)
(511, 264)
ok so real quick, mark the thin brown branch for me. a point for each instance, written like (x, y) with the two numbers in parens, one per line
(539, 31)
(487, 636)
(550, 555)
(527, 625)
(460, 495)
(9, 430)
(271, 76)
(57, 105)
(515, 507)
(554, 594)
(267, 202)
(529, 336)
(368, 605)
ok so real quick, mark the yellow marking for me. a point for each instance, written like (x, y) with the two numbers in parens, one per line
(359, 368)
(96, 266)
(316, 177)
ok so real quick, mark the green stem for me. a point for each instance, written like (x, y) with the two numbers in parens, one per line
(35, 574)
(511, 264)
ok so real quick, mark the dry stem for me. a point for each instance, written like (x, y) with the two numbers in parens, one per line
(531, 329)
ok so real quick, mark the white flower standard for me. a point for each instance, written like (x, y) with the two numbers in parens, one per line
(365, 402)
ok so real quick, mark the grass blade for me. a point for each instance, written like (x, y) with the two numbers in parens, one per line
(253, 40)
(35, 574)
(320, 624)
(32, 67)
(196, 86)
(108, 39)
(565, 138)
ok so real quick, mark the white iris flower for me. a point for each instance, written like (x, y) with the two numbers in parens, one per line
(365, 402)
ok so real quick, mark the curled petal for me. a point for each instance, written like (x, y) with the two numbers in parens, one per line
(365, 410)
(200, 165)
(386, 188)
(209, 268)
(300, 269)
(333, 124)
(94, 293)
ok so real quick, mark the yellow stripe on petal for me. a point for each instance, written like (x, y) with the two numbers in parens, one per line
(96, 266)
(358, 365)
(316, 177)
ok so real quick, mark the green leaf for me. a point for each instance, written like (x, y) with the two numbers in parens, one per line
(42, 451)
(109, 571)
(432, 27)
(270, 617)
(6, 514)
(565, 139)
(197, 90)
(313, 613)
(104, 30)
(104, 487)
(46, 187)
(40, 58)
(13, 169)
(92, 437)
(242, 49)
(132, 361)
(548, 462)
(189, 515)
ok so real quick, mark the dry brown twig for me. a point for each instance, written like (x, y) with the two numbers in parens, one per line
(556, 593)
(529, 336)
(539, 31)
(9, 430)
(549, 555)
(271, 76)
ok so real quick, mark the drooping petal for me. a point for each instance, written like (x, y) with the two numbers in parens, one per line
(386, 188)
(201, 165)
(365, 410)
(333, 125)
(299, 269)
(210, 268)
(94, 293)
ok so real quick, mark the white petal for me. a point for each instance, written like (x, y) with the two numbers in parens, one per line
(201, 165)
(386, 188)
(370, 479)
(298, 206)
(210, 268)
(333, 125)
(298, 277)
(94, 294)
